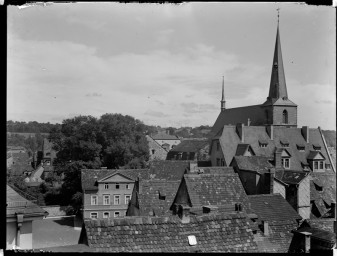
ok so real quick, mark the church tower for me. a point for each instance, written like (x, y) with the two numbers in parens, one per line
(223, 102)
(279, 110)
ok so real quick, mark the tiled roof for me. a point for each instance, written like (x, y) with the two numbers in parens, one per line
(90, 176)
(272, 207)
(229, 141)
(190, 146)
(241, 149)
(259, 164)
(168, 169)
(149, 200)
(313, 154)
(290, 177)
(16, 203)
(215, 189)
(164, 136)
(279, 239)
(22, 162)
(328, 193)
(319, 234)
(213, 233)
(159, 151)
(215, 169)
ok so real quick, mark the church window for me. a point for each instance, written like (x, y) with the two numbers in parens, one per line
(285, 117)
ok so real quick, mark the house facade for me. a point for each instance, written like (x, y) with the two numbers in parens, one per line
(20, 213)
(156, 151)
(48, 153)
(106, 193)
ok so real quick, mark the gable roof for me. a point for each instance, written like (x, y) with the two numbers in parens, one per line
(215, 189)
(89, 177)
(328, 194)
(190, 146)
(18, 204)
(213, 233)
(242, 149)
(290, 177)
(258, 164)
(168, 169)
(272, 207)
(312, 155)
(164, 136)
(148, 197)
(229, 141)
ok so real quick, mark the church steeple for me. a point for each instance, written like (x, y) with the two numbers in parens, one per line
(223, 101)
(278, 87)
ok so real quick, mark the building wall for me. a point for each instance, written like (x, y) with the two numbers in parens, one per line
(278, 115)
(279, 188)
(156, 152)
(216, 153)
(100, 208)
(303, 199)
(26, 236)
(249, 181)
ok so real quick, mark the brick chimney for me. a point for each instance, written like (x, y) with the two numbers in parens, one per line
(305, 133)
(270, 184)
(265, 228)
(306, 237)
(240, 131)
(270, 131)
(277, 158)
(184, 213)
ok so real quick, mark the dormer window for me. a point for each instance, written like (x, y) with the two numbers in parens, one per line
(263, 145)
(300, 148)
(285, 161)
(305, 166)
(316, 147)
(162, 195)
(284, 143)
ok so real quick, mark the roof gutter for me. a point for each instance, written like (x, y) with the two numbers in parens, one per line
(326, 147)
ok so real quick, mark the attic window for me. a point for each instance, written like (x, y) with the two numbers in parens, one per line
(117, 185)
(192, 240)
(316, 147)
(300, 148)
(263, 144)
(162, 196)
(284, 144)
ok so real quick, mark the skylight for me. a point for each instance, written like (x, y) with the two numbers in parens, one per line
(192, 240)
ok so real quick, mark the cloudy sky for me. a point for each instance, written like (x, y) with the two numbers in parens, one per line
(163, 63)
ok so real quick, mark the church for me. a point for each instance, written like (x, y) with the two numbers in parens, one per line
(277, 110)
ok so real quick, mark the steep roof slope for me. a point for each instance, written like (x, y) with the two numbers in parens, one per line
(168, 169)
(213, 233)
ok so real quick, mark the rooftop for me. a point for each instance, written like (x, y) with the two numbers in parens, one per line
(190, 146)
(258, 164)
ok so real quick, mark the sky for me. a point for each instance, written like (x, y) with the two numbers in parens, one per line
(163, 63)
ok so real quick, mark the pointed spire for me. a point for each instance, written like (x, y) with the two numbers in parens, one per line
(223, 101)
(278, 88)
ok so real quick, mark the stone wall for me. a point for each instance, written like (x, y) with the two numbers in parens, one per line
(278, 115)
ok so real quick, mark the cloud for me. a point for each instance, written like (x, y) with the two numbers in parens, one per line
(323, 101)
(155, 113)
(197, 108)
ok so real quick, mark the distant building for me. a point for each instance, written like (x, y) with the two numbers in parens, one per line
(20, 215)
(48, 153)
(106, 193)
(190, 149)
(156, 151)
(166, 140)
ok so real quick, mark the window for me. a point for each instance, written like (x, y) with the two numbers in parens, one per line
(316, 147)
(127, 186)
(93, 215)
(316, 165)
(222, 162)
(217, 146)
(285, 145)
(127, 199)
(285, 117)
(218, 162)
(106, 186)
(321, 165)
(328, 166)
(263, 145)
(106, 214)
(300, 148)
(116, 199)
(116, 214)
(117, 185)
(93, 200)
(106, 199)
(285, 163)
(153, 151)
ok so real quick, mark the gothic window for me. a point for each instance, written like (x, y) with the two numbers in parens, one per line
(285, 117)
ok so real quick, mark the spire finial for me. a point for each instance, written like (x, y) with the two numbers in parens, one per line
(223, 101)
(278, 15)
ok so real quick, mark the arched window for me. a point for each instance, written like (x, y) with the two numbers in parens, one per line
(285, 117)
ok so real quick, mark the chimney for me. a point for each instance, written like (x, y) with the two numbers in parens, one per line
(248, 122)
(184, 213)
(270, 131)
(305, 133)
(240, 131)
(277, 158)
(209, 209)
(306, 237)
(265, 228)
(193, 166)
